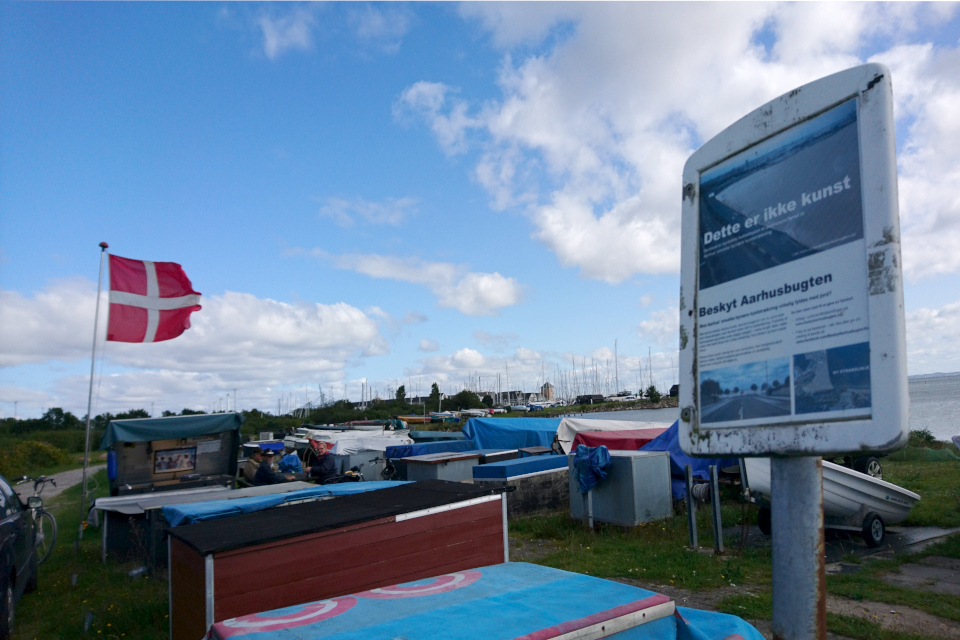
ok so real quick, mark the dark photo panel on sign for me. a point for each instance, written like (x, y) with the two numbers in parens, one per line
(800, 196)
(832, 379)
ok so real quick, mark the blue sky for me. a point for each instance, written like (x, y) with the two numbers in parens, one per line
(410, 193)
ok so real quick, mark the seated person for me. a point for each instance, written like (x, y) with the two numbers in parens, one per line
(251, 465)
(290, 462)
(265, 472)
(324, 469)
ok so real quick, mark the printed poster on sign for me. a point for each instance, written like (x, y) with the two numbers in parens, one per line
(782, 311)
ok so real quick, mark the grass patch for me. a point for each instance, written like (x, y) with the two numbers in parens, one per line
(760, 607)
(938, 484)
(654, 552)
(862, 629)
(122, 607)
(867, 584)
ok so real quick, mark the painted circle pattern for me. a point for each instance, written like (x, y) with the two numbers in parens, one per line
(313, 612)
(441, 584)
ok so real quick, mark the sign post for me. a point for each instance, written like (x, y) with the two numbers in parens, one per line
(792, 340)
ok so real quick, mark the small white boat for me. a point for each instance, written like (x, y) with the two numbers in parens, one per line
(852, 501)
(349, 440)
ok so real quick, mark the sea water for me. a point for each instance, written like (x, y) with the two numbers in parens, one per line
(934, 405)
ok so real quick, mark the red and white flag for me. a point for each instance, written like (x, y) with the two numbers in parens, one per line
(149, 301)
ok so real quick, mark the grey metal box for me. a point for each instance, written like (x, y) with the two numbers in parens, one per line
(455, 466)
(636, 490)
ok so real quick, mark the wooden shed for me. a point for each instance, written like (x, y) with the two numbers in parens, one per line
(290, 555)
(171, 453)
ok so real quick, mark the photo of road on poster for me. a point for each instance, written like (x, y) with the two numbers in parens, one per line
(782, 313)
(754, 390)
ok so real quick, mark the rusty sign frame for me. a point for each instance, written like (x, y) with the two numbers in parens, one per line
(886, 428)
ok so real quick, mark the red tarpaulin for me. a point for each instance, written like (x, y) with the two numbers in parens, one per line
(628, 440)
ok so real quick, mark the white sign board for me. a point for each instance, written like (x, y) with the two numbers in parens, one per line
(792, 326)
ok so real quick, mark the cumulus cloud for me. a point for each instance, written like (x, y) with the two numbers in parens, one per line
(470, 293)
(663, 327)
(601, 105)
(447, 116)
(55, 323)
(391, 211)
(429, 345)
(281, 32)
(413, 317)
(236, 341)
(927, 94)
(496, 341)
(527, 369)
(933, 339)
(381, 26)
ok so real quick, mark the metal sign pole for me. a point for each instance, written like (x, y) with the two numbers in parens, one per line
(799, 578)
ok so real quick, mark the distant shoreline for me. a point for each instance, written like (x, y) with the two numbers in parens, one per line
(933, 375)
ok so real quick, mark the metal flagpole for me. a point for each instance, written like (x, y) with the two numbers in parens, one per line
(93, 360)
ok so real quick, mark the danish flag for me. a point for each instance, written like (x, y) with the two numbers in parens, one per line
(149, 301)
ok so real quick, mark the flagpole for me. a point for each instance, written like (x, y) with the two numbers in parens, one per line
(93, 361)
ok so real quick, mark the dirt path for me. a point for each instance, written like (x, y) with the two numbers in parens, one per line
(64, 480)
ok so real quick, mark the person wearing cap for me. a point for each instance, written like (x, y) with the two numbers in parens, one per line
(265, 472)
(324, 469)
(252, 464)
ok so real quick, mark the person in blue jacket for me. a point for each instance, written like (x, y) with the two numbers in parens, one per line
(290, 462)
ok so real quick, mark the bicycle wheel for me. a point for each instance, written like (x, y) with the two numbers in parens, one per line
(46, 535)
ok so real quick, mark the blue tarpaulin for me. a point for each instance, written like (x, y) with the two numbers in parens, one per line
(169, 428)
(511, 433)
(498, 602)
(424, 448)
(506, 469)
(590, 465)
(669, 441)
(192, 512)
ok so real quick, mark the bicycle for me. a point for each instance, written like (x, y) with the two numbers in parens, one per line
(44, 522)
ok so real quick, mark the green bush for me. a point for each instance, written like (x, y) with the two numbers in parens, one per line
(24, 457)
(921, 438)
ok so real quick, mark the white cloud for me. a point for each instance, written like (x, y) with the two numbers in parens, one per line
(927, 94)
(392, 211)
(382, 26)
(470, 293)
(601, 104)
(496, 341)
(933, 339)
(516, 23)
(528, 369)
(56, 323)
(663, 327)
(429, 345)
(413, 317)
(429, 100)
(236, 340)
(283, 32)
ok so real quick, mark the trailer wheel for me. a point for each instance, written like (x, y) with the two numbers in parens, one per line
(870, 466)
(764, 520)
(873, 530)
